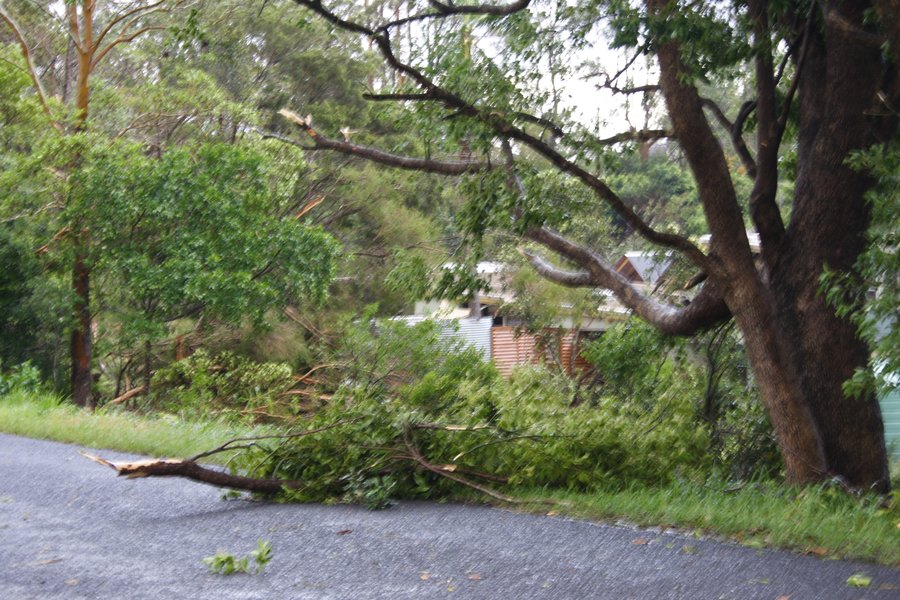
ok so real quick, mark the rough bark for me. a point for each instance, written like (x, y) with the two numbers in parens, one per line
(81, 343)
(827, 230)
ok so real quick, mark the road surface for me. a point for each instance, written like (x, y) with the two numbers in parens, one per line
(71, 529)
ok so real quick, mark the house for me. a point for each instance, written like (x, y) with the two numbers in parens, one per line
(500, 337)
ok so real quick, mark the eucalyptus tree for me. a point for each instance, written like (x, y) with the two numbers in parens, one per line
(824, 83)
(93, 30)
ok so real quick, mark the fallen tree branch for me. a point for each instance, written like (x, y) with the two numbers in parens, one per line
(191, 470)
(445, 472)
(127, 395)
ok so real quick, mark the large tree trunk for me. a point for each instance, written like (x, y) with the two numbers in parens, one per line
(795, 428)
(839, 88)
(81, 349)
(801, 352)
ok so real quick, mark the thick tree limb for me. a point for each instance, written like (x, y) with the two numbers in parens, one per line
(542, 121)
(320, 142)
(195, 472)
(705, 157)
(137, 391)
(763, 209)
(637, 89)
(496, 10)
(642, 135)
(707, 309)
(573, 279)
(443, 10)
(398, 97)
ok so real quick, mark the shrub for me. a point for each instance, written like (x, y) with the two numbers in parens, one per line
(23, 377)
(416, 413)
(226, 383)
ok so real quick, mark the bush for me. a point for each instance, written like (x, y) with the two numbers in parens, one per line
(24, 377)
(645, 371)
(226, 383)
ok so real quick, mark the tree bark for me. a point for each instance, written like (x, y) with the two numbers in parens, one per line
(82, 345)
(827, 230)
(81, 342)
(798, 437)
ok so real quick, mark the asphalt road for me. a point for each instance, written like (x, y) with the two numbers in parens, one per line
(70, 528)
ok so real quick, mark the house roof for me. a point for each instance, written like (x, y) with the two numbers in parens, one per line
(644, 267)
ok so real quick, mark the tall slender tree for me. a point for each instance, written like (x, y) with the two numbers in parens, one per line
(94, 29)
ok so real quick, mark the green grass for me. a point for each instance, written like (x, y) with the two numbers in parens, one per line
(42, 416)
(823, 521)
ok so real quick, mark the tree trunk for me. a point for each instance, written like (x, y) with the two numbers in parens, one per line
(839, 115)
(81, 350)
(81, 335)
(148, 365)
(795, 428)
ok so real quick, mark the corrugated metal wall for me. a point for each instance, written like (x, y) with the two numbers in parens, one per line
(509, 351)
(474, 332)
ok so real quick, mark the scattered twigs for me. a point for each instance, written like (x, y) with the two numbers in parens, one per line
(230, 444)
(449, 474)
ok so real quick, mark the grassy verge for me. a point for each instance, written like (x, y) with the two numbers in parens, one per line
(821, 521)
(42, 416)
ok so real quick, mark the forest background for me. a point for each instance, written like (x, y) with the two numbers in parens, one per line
(172, 245)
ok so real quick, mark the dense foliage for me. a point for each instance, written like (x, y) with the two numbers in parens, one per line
(412, 402)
